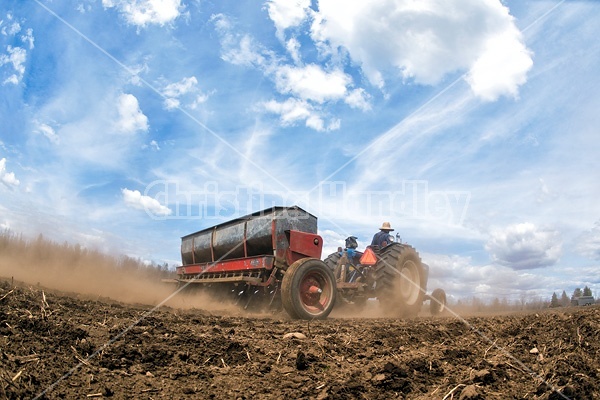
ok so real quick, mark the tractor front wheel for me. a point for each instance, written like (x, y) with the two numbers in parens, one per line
(332, 260)
(437, 302)
(308, 289)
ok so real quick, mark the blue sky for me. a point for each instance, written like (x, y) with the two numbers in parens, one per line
(472, 126)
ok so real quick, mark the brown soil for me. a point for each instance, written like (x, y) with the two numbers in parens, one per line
(55, 345)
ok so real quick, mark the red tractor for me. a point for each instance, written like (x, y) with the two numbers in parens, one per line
(273, 258)
(394, 275)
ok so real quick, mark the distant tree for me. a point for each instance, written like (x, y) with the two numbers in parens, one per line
(554, 302)
(587, 291)
(577, 293)
(564, 299)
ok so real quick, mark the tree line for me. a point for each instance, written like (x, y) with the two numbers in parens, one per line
(565, 301)
(46, 254)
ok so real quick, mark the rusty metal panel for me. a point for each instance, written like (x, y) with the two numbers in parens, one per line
(228, 242)
(260, 233)
(186, 251)
(242, 264)
(304, 245)
(291, 219)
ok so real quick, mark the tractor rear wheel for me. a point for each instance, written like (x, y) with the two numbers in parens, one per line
(308, 289)
(400, 280)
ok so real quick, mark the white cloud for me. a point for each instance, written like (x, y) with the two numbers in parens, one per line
(315, 122)
(293, 47)
(331, 241)
(171, 103)
(308, 84)
(200, 99)
(286, 14)
(135, 73)
(424, 41)
(152, 145)
(358, 98)
(187, 87)
(290, 111)
(7, 178)
(135, 199)
(15, 56)
(334, 124)
(180, 88)
(293, 110)
(524, 246)
(131, 118)
(502, 67)
(145, 12)
(311, 82)
(12, 79)
(10, 29)
(428, 39)
(461, 278)
(588, 243)
(83, 8)
(240, 49)
(28, 38)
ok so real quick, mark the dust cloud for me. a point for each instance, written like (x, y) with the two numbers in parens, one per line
(91, 274)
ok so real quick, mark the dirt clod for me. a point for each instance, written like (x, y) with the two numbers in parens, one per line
(301, 362)
(470, 393)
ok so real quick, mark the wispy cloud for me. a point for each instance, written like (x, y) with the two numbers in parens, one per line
(48, 132)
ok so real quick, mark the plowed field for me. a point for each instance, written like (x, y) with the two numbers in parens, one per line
(57, 345)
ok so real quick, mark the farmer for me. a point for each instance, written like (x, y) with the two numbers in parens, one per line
(383, 237)
(348, 259)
